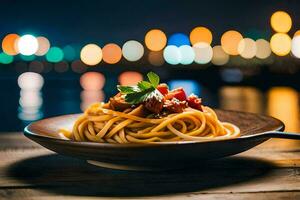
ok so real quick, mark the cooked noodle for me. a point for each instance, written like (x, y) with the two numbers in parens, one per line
(101, 124)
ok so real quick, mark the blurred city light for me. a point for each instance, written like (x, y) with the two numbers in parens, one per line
(187, 54)
(230, 41)
(61, 67)
(156, 58)
(172, 55)
(263, 49)
(36, 66)
(247, 48)
(112, 53)
(232, 75)
(203, 53)
(132, 50)
(27, 58)
(281, 44)
(89, 97)
(155, 40)
(178, 39)
(55, 54)
(9, 44)
(30, 81)
(297, 33)
(92, 81)
(5, 58)
(189, 86)
(91, 54)
(78, 66)
(43, 46)
(130, 78)
(296, 46)
(27, 45)
(281, 22)
(69, 53)
(200, 34)
(219, 56)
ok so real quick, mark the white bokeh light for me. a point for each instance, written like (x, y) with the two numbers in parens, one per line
(203, 53)
(187, 54)
(27, 45)
(132, 50)
(296, 46)
(30, 81)
(247, 48)
(172, 55)
(263, 49)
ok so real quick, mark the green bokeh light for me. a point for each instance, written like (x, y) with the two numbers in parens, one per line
(69, 53)
(55, 54)
(6, 59)
(27, 58)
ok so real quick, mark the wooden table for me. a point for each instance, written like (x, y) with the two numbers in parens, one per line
(28, 171)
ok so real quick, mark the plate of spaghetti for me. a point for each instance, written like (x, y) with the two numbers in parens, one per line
(148, 126)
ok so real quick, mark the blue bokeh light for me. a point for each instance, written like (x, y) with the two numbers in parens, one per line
(189, 86)
(178, 39)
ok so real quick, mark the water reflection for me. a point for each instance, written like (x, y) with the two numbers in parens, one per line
(89, 97)
(283, 103)
(247, 99)
(31, 101)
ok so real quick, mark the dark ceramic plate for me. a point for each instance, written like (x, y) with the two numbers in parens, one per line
(255, 129)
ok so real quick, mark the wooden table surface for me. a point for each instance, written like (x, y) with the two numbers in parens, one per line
(28, 171)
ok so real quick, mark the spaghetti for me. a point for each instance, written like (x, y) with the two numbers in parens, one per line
(107, 123)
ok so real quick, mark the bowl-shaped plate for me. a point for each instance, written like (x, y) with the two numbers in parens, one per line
(154, 156)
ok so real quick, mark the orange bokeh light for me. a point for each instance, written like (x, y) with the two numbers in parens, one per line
(8, 44)
(297, 33)
(92, 81)
(130, 78)
(155, 40)
(112, 53)
(230, 41)
(201, 34)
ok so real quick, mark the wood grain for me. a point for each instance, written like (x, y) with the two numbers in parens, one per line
(28, 171)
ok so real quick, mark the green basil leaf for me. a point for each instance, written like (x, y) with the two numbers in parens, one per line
(138, 97)
(153, 78)
(127, 89)
(143, 85)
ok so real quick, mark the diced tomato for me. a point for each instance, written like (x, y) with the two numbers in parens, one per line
(177, 93)
(195, 102)
(163, 88)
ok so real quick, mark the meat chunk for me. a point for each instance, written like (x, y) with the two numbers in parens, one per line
(118, 102)
(154, 102)
(175, 106)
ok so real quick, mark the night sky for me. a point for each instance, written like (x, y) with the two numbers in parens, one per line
(80, 22)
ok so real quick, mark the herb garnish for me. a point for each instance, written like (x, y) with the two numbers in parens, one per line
(138, 93)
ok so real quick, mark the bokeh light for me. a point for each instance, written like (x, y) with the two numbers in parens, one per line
(178, 39)
(203, 53)
(247, 48)
(189, 86)
(27, 58)
(69, 53)
(89, 97)
(30, 81)
(78, 66)
(112, 53)
(36, 66)
(172, 55)
(220, 57)
(230, 41)
(155, 40)
(5, 58)
(130, 78)
(91, 54)
(297, 33)
(9, 44)
(296, 46)
(156, 58)
(281, 44)
(263, 49)
(55, 54)
(61, 67)
(200, 34)
(187, 54)
(43, 46)
(281, 22)
(132, 50)
(92, 81)
(27, 45)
